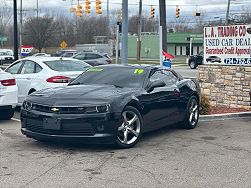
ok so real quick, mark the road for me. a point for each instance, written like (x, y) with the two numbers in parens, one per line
(186, 71)
(215, 154)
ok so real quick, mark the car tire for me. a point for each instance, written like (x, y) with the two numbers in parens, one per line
(129, 130)
(193, 65)
(192, 114)
(7, 114)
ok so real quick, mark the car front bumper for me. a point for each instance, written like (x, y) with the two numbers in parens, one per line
(86, 128)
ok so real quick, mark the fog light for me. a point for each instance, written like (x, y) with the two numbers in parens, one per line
(100, 128)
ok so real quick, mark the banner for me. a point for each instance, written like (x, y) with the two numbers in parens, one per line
(227, 45)
(26, 50)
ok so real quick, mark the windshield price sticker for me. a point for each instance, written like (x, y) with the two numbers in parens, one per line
(95, 70)
(138, 71)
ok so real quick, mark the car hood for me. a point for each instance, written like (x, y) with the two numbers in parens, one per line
(76, 95)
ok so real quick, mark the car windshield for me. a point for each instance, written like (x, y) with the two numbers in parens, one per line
(67, 65)
(117, 76)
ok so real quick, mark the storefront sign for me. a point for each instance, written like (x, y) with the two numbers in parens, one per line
(227, 45)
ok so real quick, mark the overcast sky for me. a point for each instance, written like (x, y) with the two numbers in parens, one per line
(211, 8)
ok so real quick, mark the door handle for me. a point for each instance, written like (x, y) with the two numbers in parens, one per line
(28, 78)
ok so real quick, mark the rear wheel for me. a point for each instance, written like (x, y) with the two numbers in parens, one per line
(192, 65)
(7, 114)
(130, 130)
(192, 114)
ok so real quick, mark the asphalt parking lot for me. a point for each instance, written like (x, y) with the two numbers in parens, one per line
(215, 154)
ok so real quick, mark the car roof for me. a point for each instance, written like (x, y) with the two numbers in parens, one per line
(45, 58)
(145, 66)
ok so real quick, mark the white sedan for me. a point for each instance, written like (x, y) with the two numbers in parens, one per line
(8, 95)
(36, 73)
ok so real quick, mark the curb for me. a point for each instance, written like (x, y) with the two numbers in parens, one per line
(224, 116)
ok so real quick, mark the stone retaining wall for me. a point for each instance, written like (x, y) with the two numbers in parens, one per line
(227, 86)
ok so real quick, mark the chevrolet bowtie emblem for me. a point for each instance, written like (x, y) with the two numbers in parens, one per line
(54, 109)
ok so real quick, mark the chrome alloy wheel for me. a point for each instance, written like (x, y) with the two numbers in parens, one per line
(130, 129)
(193, 112)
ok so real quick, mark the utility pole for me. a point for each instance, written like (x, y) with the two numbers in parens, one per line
(227, 14)
(124, 50)
(21, 23)
(139, 31)
(15, 30)
(108, 13)
(37, 9)
(162, 12)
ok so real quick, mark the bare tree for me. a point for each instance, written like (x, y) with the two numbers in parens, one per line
(39, 32)
(148, 24)
(87, 28)
(5, 17)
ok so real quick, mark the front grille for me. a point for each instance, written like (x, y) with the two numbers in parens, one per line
(59, 110)
(68, 127)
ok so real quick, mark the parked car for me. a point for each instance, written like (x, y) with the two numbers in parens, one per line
(8, 95)
(41, 54)
(93, 58)
(112, 104)
(60, 53)
(69, 54)
(36, 73)
(6, 56)
(213, 59)
(195, 60)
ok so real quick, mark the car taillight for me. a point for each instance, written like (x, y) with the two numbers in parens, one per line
(109, 61)
(58, 79)
(9, 82)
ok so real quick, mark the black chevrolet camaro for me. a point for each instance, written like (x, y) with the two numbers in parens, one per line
(112, 104)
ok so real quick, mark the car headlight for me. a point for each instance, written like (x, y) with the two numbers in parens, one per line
(98, 109)
(27, 105)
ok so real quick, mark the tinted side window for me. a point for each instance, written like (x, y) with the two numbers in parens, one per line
(14, 68)
(80, 57)
(93, 56)
(168, 77)
(28, 67)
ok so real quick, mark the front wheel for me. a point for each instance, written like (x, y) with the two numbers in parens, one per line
(130, 130)
(192, 114)
(192, 65)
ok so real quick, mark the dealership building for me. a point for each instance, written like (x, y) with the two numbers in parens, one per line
(178, 44)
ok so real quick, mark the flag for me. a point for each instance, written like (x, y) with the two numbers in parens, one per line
(167, 55)
(26, 50)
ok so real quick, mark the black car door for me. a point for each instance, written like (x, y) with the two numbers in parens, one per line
(161, 104)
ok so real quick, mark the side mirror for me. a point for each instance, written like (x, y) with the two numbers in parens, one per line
(154, 84)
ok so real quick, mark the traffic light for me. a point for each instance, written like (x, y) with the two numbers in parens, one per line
(98, 7)
(72, 9)
(177, 11)
(79, 10)
(152, 11)
(87, 6)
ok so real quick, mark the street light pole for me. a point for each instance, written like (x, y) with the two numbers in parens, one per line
(139, 31)
(124, 50)
(15, 30)
(227, 14)
(21, 23)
